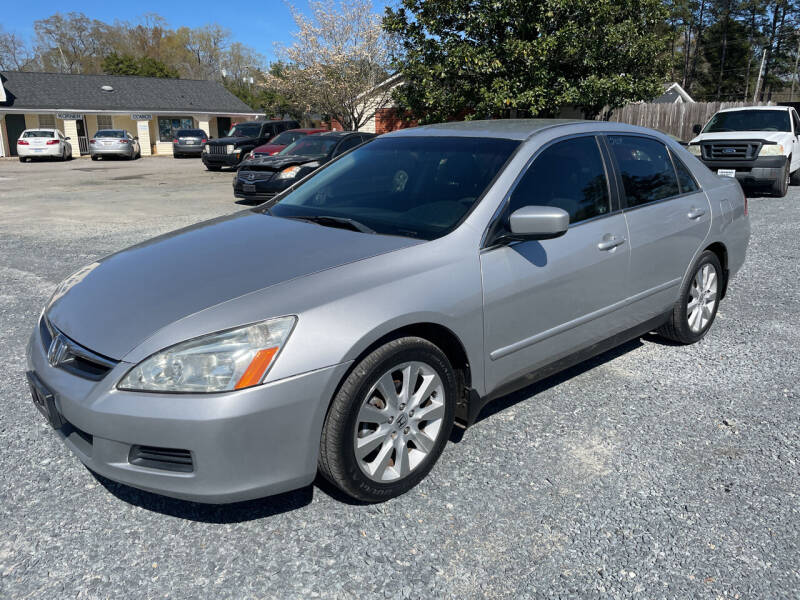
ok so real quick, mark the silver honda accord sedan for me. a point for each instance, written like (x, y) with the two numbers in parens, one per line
(346, 325)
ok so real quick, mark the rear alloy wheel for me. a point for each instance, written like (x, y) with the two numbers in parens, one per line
(695, 310)
(390, 420)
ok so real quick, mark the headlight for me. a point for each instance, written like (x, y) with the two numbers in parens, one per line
(771, 150)
(289, 173)
(229, 148)
(207, 150)
(695, 149)
(227, 360)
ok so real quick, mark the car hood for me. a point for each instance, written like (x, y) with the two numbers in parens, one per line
(770, 136)
(269, 148)
(113, 305)
(276, 163)
(229, 140)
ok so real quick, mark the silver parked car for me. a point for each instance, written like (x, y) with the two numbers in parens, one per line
(346, 325)
(114, 142)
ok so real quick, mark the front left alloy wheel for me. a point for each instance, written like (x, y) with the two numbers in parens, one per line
(390, 420)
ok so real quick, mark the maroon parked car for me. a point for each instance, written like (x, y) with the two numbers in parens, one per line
(280, 141)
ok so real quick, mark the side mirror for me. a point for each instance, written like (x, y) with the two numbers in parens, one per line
(538, 222)
(67, 138)
(136, 137)
(697, 128)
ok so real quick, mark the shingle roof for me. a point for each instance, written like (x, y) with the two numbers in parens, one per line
(60, 91)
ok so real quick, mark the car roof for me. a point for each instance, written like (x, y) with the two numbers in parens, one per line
(340, 134)
(307, 129)
(518, 129)
(736, 108)
(40, 129)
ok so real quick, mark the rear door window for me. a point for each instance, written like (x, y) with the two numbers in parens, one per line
(569, 175)
(645, 168)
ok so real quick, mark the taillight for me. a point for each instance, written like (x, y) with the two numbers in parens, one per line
(22, 143)
(204, 141)
(51, 142)
(745, 206)
(175, 141)
(123, 141)
(92, 141)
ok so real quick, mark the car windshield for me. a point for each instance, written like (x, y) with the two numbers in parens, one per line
(39, 134)
(749, 120)
(287, 137)
(409, 186)
(245, 130)
(190, 133)
(110, 133)
(311, 145)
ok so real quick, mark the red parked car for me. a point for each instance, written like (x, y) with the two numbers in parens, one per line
(283, 139)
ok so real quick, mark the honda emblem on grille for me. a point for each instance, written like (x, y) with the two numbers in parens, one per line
(58, 350)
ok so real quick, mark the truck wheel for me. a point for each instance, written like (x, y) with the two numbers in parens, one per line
(780, 186)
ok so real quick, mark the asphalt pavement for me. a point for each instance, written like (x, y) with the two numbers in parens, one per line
(653, 471)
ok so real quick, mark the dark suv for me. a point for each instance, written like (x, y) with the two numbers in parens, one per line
(229, 151)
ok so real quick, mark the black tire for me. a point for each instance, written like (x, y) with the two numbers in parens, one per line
(95, 157)
(213, 167)
(677, 329)
(337, 459)
(22, 159)
(780, 186)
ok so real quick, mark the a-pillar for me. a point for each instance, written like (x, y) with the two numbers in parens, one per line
(143, 133)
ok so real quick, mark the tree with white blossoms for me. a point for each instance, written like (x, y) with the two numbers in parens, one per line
(339, 58)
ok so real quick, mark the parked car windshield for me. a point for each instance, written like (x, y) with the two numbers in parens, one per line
(245, 130)
(749, 120)
(110, 133)
(38, 134)
(190, 133)
(410, 186)
(287, 137)
(311, 145)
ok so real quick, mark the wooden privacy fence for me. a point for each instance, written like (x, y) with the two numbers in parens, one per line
(675, 119)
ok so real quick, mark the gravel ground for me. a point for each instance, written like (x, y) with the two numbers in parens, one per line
(654, 471)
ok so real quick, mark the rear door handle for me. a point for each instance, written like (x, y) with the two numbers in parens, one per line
(696, 213)
(610, 243)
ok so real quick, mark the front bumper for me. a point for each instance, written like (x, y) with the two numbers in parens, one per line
(261, 190)
(221, 160)
(762, 170)
(243, 444)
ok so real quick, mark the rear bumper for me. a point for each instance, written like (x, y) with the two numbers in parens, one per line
(765, 169)
(126, 150)
(42, 152)
(195, 149)
(243, 444)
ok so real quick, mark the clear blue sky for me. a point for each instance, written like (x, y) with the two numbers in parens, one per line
(257, 23)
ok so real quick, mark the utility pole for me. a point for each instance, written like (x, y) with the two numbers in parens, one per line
(760, 73)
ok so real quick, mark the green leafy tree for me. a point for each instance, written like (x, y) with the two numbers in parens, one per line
(125, 64)
(526, 57)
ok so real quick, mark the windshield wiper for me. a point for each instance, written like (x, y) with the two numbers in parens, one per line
(328, 221)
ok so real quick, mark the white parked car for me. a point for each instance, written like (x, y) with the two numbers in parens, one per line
(757, 145)
(43, 143)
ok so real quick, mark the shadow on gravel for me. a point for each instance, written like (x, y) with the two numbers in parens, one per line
(238, 512)
(505, 402)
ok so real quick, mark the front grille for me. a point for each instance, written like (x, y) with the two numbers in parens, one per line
(217, 149)
(252, 176)
(166, 459)
(731, 150)
(73, 358)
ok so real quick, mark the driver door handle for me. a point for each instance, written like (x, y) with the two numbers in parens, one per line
(696, 213)
(610, 242)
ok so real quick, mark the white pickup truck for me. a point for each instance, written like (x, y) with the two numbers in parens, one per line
(757, 145)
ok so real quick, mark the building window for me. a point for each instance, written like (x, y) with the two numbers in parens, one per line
(167, 126)
(48, 121)
(104, 122)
